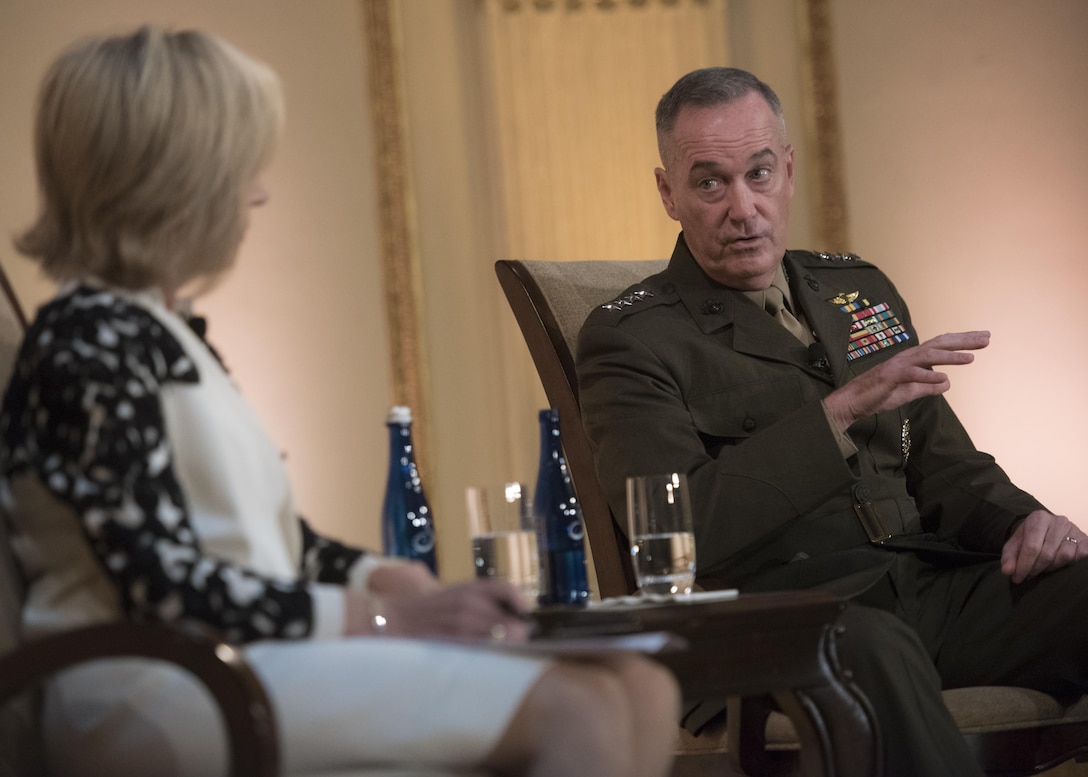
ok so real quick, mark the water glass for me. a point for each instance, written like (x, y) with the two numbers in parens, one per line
(662, 538)
(504, 547)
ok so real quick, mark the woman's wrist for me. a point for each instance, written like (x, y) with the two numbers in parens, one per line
(365, 614)
(376, 614)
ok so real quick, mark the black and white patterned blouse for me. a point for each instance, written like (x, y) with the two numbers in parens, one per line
(140, 484)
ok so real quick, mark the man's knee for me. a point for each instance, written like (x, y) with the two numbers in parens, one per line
(874, 642)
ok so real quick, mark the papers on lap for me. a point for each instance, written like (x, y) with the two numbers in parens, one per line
(584, 645)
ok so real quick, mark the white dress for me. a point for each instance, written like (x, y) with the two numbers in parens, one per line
(141, 485)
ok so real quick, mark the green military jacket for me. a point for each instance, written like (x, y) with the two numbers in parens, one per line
(682, 374)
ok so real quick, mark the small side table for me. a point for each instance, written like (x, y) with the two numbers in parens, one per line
(747, 648)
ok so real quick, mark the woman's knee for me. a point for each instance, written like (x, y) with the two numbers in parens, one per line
(650, 688)
(617, 717)
(583, 707)
(595, 690)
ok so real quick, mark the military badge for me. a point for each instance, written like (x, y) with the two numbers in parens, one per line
(844, 297)
(905, 441)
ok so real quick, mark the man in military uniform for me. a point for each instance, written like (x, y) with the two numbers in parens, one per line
(793, 390)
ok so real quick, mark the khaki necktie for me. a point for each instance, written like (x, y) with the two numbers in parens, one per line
(775, 304)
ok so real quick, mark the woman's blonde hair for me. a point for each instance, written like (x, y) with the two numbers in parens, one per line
(148, 146)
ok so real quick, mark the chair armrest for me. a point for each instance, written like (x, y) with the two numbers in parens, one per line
(246, 709)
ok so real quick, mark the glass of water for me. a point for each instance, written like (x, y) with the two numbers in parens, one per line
(504, 546)
(662, 538)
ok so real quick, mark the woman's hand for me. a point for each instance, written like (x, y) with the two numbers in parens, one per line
(403, 577)
(480, 609)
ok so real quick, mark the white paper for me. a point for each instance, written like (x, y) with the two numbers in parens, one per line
(695, 597)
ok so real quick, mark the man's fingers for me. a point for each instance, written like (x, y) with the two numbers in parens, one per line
(927, 375)
(952, 349)
(934, 357)
(1042, 542)
(1072, 544)
(959, 341)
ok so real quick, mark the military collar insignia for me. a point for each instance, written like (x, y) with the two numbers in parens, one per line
(838, 257)
(712, 306)
(627, 300)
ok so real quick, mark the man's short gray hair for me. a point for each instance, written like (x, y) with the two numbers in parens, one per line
(709, 87)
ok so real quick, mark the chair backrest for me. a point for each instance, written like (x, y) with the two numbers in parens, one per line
(18, 748)
(550, 301)
(12, 329)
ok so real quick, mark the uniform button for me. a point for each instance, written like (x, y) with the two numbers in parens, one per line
(713, 306)
(749, 424)
(668, 288)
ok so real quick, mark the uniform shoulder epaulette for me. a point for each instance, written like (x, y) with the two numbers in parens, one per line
(634, 299)
(835, 259)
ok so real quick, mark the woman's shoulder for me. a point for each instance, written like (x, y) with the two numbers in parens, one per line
(102, 329)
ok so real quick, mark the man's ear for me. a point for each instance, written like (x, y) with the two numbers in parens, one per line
(789, 168)
(665, 190)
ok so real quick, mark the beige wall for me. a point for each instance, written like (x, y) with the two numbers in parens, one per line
(301, 320)
(967, 179)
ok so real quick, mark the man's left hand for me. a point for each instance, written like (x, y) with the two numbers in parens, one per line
(1042, 542)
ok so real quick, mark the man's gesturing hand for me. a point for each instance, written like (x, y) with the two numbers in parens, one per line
(905, 377)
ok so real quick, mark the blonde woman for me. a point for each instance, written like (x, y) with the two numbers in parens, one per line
(141, 486)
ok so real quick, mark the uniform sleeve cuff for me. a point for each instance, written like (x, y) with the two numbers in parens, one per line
(359, 575)
(328, 611)
(846, 445)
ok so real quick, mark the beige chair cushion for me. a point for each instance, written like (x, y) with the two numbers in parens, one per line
(994, 708)
(976, 711)
(573, 288)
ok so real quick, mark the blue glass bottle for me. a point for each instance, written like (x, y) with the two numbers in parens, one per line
(558, 519)
(407, 523)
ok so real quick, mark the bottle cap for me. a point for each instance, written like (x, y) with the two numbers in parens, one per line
(399, 414)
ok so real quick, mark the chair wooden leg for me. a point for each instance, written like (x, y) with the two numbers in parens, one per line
(834, 722)
(746, 735)
(705, 765)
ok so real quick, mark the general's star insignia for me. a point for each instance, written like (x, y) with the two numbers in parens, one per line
(628, 300)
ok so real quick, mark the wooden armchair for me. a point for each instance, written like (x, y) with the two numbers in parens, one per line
(1013, 731)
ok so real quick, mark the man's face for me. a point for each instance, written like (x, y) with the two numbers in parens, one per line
(729, 181)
